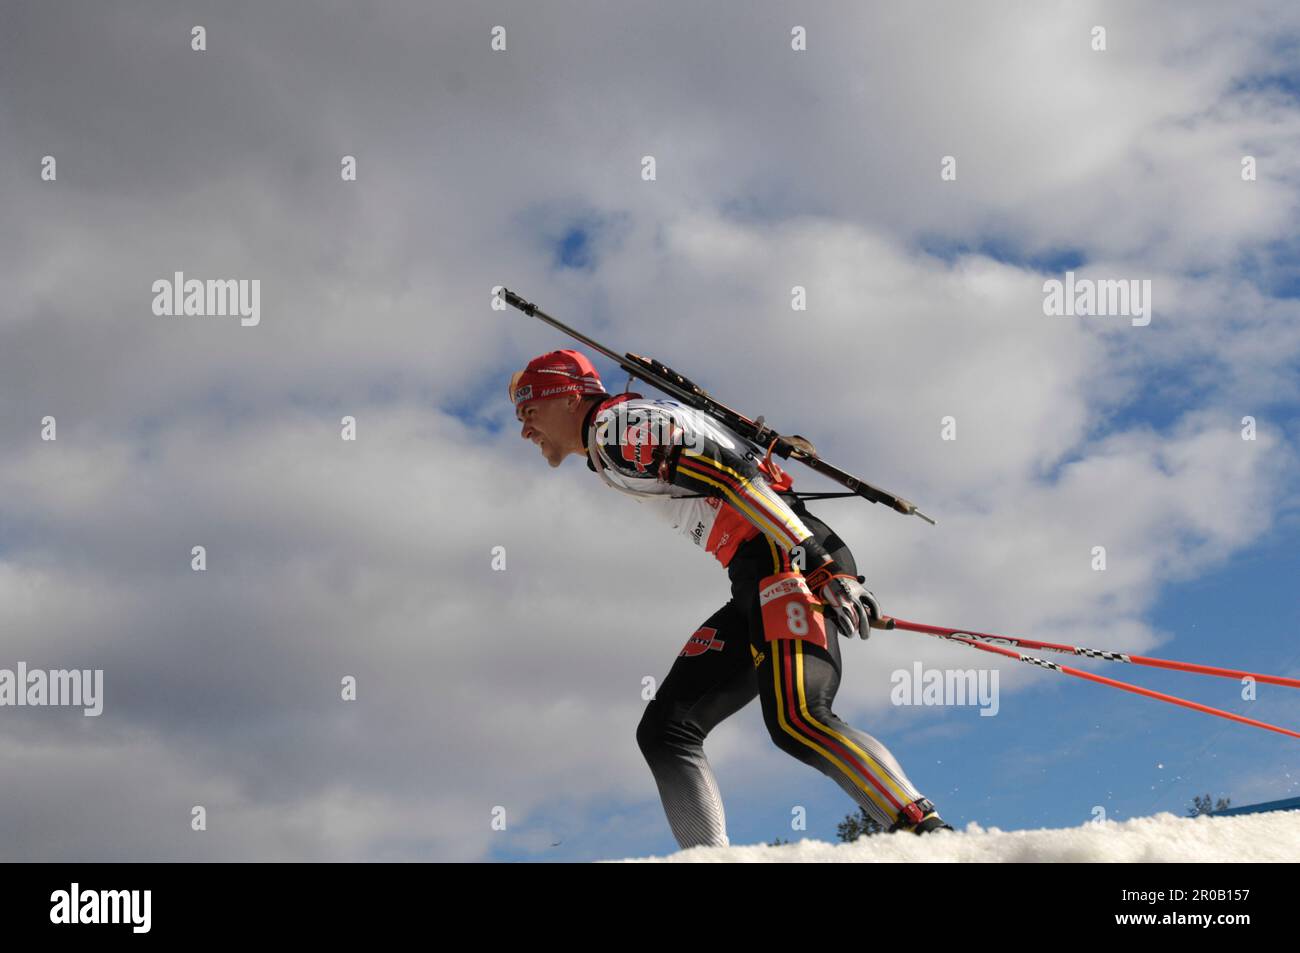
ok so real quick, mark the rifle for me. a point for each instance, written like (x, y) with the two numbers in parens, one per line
(670, 382)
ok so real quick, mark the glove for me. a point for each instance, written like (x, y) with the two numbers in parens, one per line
(853, 608)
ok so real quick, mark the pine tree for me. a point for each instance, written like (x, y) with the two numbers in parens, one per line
(1203, 804)
(858, 825)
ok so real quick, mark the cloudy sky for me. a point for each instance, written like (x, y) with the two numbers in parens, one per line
(480, 690)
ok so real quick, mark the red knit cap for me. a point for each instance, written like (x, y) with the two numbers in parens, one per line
(554, 375)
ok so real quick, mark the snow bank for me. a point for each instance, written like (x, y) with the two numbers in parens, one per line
(1273, 836)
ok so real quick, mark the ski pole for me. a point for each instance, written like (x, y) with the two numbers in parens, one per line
(955, 636)
(1098, 653)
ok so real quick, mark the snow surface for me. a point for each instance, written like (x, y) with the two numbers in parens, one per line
(1272, 836)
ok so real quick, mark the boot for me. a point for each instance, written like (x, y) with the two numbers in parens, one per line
(919, 817)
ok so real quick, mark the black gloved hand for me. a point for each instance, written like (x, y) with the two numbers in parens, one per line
(853, 607)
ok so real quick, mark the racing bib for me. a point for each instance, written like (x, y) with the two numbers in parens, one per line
(790, 610)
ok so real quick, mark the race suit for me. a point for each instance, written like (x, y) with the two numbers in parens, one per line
(662, 452)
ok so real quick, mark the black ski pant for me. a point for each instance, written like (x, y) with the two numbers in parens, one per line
(724, 664)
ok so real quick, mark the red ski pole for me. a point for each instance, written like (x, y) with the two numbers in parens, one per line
(1097, 653)
(984, 643)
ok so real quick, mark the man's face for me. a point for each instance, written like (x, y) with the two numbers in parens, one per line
(546, 423)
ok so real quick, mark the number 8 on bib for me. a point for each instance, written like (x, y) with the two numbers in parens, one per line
(790, 610)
